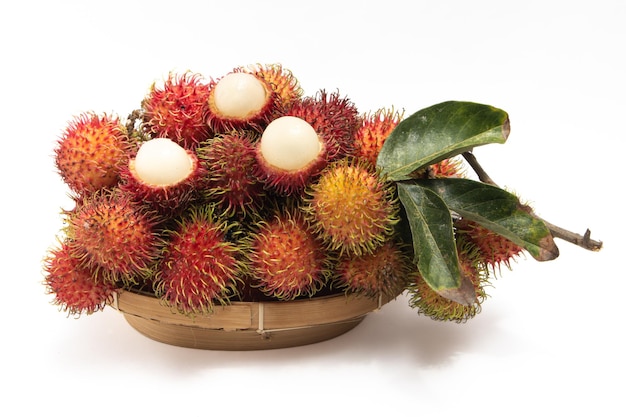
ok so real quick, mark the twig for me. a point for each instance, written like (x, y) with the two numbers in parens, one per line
(584, 241)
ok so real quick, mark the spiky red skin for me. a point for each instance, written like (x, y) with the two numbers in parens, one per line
(334, 118)
(384, 271)
(495, 250)
(201, 266)
(109, 232)
(257, 121)
(286, 260)
(166, 200)
(289, 183)
(178, 110)
(373, 131)
(230, 163)
(448, 168)
(76, 289)
(430, 303)
(351, 207)
(91, 151)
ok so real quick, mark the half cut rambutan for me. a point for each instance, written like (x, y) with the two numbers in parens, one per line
(240, 100)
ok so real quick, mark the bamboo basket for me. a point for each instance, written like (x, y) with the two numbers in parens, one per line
(248, 325)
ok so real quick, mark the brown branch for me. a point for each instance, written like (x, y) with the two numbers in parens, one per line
(584, 241)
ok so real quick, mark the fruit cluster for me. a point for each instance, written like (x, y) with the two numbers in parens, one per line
(244, 188)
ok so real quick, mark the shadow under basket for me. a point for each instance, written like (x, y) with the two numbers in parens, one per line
(248, 325)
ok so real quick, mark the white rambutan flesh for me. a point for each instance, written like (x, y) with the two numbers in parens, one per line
(162, 162)
(290, 143)
(239, 94)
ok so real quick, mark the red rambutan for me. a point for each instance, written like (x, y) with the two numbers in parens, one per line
(202, 263)
(110, 233)
(230, 162)
(91, 152)
(285, 258)
(374, 129)
(76, 289)
(178, 109)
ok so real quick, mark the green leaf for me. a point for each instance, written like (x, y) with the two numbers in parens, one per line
(440, 132)
(433, 243)
(497, 210)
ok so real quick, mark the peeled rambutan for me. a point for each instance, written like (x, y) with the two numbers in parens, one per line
(202, 262)
(91, 152)
(289, 154)
(286, 260)
(384, 271)
(352, 207)
(334, 118)
(432, 304)
(495, 250)
(374, 129)
(111, 233)
(76, 288)
(281, 81)
(178, 109)
(164, 176)
(230, 162)
(240, 100)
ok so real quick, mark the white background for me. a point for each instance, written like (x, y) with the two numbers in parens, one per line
(550, 338)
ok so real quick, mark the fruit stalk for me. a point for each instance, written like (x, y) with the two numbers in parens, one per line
(584, 241)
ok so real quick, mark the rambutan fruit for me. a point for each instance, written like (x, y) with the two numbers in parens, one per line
(334, 118)
(178, 109)
(495, 250)
(285, 258)
(432, 304)
(352, 207)
(281, 81)
(91, 151)
(240, 100)
(112, 234)
(384, 271)
(202, 262)
(163, 175)
(76, 288)
(374, 129)
(230, 161)
(448, 168)
(289, 154)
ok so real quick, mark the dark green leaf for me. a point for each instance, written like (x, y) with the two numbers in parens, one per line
(440, 132)
(497, 210)
(433, 242)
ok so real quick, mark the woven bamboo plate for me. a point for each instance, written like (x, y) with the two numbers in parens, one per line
(248, 325)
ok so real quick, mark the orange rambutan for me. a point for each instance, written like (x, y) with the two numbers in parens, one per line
(77, 289)
(374, 129)
(286, 260)
(281, 81)
(448, 168)
(178, 109)
(352, 207)
(202, 262)
(91, 152)
(384, 271)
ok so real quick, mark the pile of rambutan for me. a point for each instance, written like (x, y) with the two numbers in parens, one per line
(243, 188)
